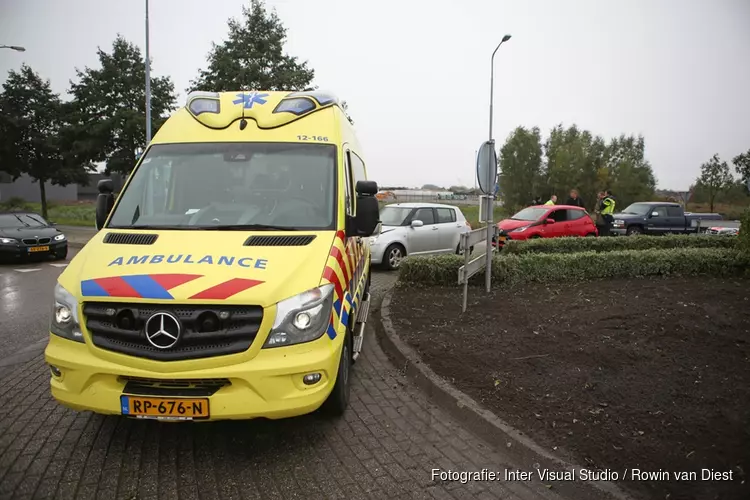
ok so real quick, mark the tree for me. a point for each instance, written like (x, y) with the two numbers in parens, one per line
(253, 57)
(742, 166)
(431, 187)
(715, 177)
(345, 107)
(629, 175)
(575, 159)
(520, 166)
(108, 112)
(31, 120)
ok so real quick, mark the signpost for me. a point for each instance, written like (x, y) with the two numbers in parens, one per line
(472, 266)
(486, 175)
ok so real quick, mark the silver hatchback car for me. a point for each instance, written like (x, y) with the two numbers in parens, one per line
(417, 229)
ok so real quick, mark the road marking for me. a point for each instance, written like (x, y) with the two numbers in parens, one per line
(27, 270)
(59, 265)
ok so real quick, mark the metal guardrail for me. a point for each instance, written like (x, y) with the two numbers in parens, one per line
(478, 263)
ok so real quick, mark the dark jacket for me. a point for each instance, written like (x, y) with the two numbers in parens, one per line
(578, 202)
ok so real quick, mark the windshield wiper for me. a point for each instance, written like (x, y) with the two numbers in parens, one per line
(227, 227)
(21, 221)
(41, 223)
(246, 227)
(146, 226)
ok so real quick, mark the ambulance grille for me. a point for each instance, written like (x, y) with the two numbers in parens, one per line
(279, 241)
(130, 238)
(205, 330)
(173, 387)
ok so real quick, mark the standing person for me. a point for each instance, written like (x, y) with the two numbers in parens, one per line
(608, 208)
(600, 224)
(552, 200)
(575, 200)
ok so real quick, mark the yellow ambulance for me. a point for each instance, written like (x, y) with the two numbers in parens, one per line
(229, 279)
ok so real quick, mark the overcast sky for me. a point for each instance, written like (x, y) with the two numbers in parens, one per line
(416, 73)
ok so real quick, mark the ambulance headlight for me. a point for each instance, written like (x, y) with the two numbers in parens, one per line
(302, 318)
(64, 321)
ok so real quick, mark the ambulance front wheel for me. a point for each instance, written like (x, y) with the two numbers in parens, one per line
(338, 400)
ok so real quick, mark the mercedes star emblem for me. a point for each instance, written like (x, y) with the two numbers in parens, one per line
(162, 330)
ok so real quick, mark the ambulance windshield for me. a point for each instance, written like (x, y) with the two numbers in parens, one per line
(231, 186)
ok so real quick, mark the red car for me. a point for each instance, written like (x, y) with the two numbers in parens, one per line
(547, 221)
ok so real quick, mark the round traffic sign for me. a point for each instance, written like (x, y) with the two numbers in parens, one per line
(487, 167)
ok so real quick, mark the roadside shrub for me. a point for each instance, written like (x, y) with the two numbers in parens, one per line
(619, 243)
(440, 269)
(14, 203)
(516, 269)
(744, 237)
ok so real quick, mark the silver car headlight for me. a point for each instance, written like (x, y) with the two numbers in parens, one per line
(65, 322)
(301, 318)
(7, 241)
(520, 229)
(59, 237)
(618, 223)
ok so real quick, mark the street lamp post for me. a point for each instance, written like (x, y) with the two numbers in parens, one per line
(148, 85)
(490, 199)
(13, 47)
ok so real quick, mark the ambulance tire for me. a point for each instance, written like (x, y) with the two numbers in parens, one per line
(338, 400)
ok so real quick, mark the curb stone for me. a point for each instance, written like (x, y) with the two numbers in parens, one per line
(482, 421)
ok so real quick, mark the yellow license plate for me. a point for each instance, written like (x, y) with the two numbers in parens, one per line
(39, 249)
(503, 238)
(164, 408)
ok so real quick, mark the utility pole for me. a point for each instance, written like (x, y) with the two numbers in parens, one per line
(148, 85)
(490, 195)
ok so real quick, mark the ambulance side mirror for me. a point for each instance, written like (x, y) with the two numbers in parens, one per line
(366, 220)
(104, 202)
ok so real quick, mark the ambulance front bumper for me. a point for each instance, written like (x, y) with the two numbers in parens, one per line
(270, 385)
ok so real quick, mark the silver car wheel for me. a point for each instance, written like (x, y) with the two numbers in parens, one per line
(395, 257)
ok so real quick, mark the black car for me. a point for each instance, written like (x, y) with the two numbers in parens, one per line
(26, 234)
(656, 217)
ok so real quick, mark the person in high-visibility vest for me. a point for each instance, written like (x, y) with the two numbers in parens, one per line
(608, 208)
(552, 200)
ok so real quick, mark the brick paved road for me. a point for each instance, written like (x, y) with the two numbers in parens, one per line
(22, 286)
(384, 447)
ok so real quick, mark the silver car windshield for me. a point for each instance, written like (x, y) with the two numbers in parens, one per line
(394, 216)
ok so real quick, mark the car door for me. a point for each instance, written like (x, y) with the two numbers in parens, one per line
(575, 223)
(423, 239)
(449, 229)
(561, 225)
(658, 221)
(676, 219)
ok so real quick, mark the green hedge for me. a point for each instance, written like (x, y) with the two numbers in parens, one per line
(558, 267)
(744, 237)
(641, 242)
